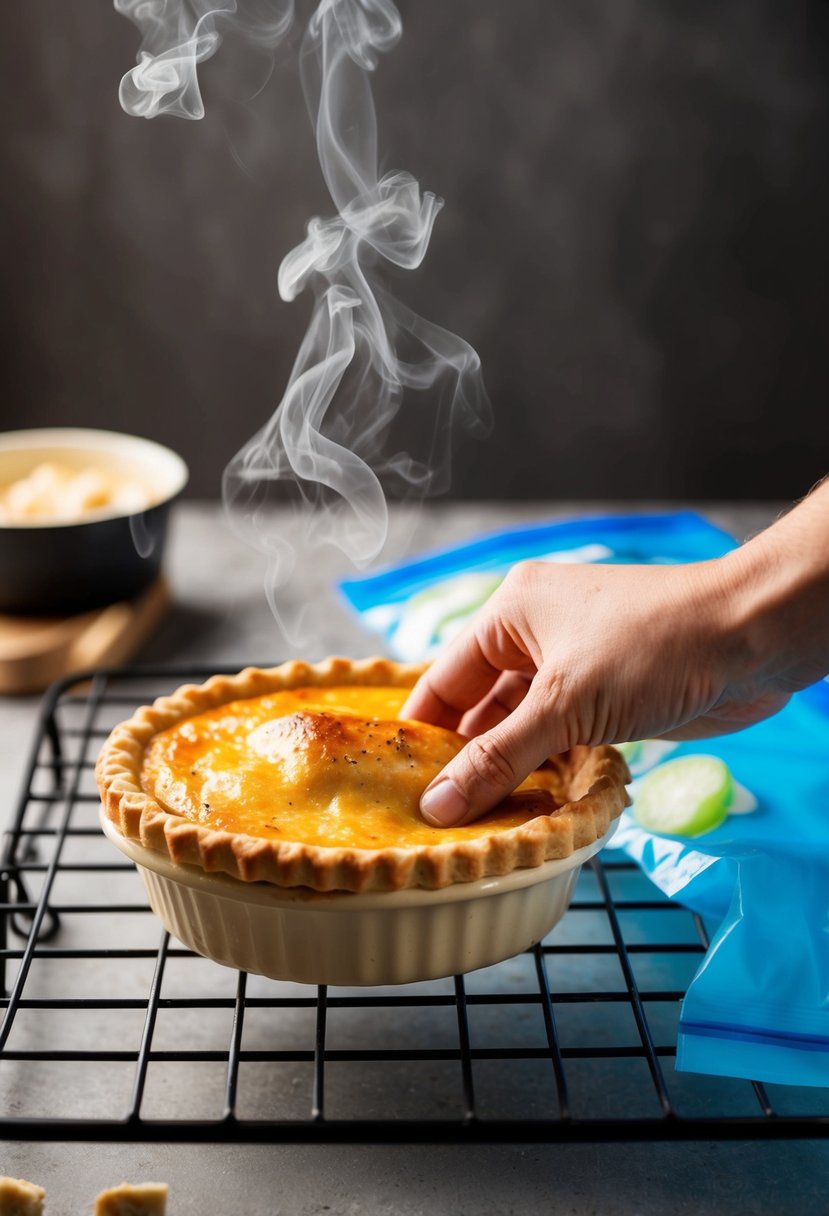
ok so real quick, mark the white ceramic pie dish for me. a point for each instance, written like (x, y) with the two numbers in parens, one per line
(349, 939)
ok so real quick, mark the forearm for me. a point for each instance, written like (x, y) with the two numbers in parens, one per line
(779, 586)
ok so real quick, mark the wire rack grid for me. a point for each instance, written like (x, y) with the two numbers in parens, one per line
(113, 1031)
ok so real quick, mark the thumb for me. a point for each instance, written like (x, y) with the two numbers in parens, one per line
(489, 767)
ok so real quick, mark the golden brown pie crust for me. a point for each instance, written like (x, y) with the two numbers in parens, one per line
(589, 785)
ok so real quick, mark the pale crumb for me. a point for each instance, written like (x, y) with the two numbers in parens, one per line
(20, 1198)
(145, 1199)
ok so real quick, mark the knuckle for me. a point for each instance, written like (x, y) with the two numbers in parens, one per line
(555, 706)
(489, 763)
(552, 695)
(548, 688)
(523, 575)
(579, 702)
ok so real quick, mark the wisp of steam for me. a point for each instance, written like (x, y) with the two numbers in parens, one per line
(365, 356)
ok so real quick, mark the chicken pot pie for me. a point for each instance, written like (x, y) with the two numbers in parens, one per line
(305, 776)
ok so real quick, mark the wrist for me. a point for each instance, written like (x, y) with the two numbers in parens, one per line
(776, 600)
(719, 606)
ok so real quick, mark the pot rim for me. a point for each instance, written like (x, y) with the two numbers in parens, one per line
(146, 452)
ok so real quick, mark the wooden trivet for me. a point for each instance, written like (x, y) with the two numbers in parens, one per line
(34, 651)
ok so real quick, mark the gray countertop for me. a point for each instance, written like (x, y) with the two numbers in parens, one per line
(221, 616)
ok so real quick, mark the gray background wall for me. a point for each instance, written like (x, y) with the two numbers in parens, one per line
(635, 237)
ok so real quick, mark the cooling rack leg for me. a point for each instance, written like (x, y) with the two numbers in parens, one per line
(4, 931)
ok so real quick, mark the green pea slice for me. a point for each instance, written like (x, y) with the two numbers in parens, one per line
(685, 797)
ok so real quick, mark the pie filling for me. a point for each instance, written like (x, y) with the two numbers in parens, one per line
(321, 766)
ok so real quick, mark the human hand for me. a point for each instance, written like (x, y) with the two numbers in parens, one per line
(562, 655)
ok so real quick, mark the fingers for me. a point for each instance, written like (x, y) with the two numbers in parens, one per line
(464, 675)
(505, 696)
(454, 683)
(492, 765)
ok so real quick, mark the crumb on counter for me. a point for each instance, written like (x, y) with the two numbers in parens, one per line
(144, 1199)
(20, 1198)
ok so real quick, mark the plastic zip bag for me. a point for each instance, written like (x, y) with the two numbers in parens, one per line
(759, 1004)
(418, 607)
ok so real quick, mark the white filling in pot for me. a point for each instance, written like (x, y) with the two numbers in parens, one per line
(55, 493)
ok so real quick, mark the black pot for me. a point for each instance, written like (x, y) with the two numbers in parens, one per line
(60, 569)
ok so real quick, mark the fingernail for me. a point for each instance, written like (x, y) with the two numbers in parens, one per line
(443, 804)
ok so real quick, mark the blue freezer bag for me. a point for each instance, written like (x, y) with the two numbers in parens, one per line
(420, 605)
(759, 1005)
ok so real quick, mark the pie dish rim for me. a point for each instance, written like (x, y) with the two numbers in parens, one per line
(267, 895)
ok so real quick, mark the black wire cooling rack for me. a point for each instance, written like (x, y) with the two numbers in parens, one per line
(113, 1031)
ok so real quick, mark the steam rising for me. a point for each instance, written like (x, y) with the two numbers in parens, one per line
(178, 35)
(365, 354)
